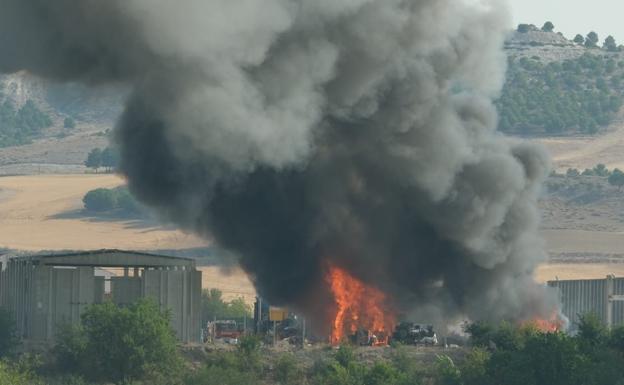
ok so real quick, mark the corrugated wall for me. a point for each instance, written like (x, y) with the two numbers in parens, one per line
(589, 296)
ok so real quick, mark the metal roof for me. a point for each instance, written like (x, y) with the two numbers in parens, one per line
(105, 258)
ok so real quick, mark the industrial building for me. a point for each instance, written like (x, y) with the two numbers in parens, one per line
(45, 291)
(603, 297)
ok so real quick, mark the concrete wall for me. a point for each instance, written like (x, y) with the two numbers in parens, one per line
(59, 297)
(180, 292)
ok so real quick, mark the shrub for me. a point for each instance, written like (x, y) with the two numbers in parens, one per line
(122, 344)
(126, 201)
(71, 344)
(216, 375)
(345, 355)
(100, 200)
(10, 375)
(286, 371)
(446, 372)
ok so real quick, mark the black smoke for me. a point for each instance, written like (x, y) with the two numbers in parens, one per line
(296, 132)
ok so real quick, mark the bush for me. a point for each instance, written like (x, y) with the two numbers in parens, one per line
(120, 198)
(126, 201)
(10, 375)
(70, 347)
(100, 200)
(216, 375)
(121, 344)
(287, 372)
(345, 355)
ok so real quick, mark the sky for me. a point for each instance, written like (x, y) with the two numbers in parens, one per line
(606, 17)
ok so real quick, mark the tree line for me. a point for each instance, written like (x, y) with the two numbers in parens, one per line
(107, 158)
(615, 177)
(591, 40)
(136, 345)
(577, 95)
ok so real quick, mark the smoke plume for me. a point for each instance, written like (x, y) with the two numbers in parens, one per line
(296, 132)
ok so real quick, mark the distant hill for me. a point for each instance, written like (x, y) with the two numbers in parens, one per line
(554, 87)
(31, 108)
(558, 87)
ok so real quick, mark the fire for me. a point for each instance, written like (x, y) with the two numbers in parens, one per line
(553, 324)
(358, 308)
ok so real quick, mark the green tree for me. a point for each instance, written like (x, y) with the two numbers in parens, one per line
(601, 170)
(94, 159)
(126, 201)
(572, 173)
(8, 336)
(548, 27)
(524, 28)
(591, 331)
(592, 40)
(579, 39)
(617, 178)
(616, 339)
(20, 126)
(214, 307)
(610, 44)
(110, 158)
(127, 344)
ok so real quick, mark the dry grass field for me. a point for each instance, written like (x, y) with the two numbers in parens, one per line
(563, 271)
(234, 283)
(43, 212)
(586, 151)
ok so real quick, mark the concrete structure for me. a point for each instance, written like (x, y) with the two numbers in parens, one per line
(603, 297)
(44, 291)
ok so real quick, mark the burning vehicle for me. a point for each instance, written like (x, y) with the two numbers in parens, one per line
(345, 153)
(410, 333)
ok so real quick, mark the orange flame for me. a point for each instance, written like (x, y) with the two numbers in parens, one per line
(358, 307)
(552, 324)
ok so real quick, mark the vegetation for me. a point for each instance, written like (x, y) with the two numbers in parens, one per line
(100, 199)
(136, 346)
(214, 307)
(121, 344)
(591, 41)
(580, 95)
(106, 200)
(548, 27)
(107, 158)
(615, 177)
(21, 125)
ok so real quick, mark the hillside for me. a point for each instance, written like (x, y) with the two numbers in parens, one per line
(557, 87)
